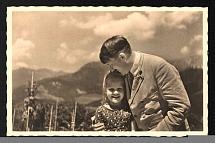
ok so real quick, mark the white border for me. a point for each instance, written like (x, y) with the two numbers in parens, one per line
(102, 133)
(205, 70)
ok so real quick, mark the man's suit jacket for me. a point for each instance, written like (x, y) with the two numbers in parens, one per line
(158, 99)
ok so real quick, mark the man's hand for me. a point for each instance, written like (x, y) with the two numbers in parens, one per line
(98, 126)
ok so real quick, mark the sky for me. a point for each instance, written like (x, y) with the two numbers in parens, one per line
(66, 40)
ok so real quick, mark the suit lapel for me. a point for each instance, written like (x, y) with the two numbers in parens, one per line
(138, 79)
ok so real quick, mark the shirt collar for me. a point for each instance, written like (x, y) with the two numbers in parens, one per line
(136, 62)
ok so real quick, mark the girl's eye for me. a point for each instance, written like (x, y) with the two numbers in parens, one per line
(119, 89)
(111, 89)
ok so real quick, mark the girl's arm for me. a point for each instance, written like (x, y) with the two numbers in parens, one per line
(97, 121)
(98, 115)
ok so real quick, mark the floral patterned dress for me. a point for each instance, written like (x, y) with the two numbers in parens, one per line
(114, 120)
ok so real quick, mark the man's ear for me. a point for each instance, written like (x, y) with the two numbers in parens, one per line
(122, 56)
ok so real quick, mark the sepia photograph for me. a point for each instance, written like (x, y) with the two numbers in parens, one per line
(107, 71)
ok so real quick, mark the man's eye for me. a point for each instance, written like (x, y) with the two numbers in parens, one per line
(119, 89)
(111, 68)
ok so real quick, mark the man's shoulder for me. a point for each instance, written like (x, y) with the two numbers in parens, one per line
(153, 59)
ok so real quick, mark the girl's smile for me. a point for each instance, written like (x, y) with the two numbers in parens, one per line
(115, 92)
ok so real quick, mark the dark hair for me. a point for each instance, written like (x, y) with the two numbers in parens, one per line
(112, 46)
(115, 75)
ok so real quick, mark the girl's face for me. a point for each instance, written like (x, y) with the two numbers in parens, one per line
(115, 91)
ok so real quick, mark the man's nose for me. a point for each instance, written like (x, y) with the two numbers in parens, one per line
(111, 68)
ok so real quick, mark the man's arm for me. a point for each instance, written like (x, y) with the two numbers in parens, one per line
(172, 90)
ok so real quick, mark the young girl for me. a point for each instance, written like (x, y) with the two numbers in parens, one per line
(114, 112)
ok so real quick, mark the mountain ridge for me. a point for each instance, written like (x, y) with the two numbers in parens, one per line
(87, 79)
(22, 75)
(192, 62)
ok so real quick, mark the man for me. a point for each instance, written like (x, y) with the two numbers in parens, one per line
(155, 92)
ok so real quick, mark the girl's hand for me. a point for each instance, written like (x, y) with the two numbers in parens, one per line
(98, 126)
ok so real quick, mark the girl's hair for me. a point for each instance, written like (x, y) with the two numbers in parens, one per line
(114, 75)
(111, 76)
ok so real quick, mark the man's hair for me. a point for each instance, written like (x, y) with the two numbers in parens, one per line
(112, 46)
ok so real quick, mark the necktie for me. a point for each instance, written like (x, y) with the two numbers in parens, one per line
(130, 79)
(128, 83)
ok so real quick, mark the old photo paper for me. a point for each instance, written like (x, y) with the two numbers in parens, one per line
(53, 53)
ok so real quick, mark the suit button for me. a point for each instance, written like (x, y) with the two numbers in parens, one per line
(135, 116)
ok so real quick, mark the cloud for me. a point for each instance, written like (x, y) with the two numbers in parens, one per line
(25, 34)
(136, 24)
(19, 65)
(199, 52)
(195, 45)
(76, 56)
(86, 40)
(68, 55)
(63, 23)
(179, 19)
(62, 51)
(22, 49)
(91, 21)
(94, 55)
(197, 39)
(184, 50)
(141, 25)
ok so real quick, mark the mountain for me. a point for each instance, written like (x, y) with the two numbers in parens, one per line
(192, 62)
(22, 75)
(87, 80)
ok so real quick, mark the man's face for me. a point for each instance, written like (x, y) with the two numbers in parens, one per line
(119, 65)
(115, 91)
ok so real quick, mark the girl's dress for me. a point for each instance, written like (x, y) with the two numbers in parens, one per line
(113, 119)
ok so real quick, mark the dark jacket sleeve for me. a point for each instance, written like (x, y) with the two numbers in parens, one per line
(172, 90)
